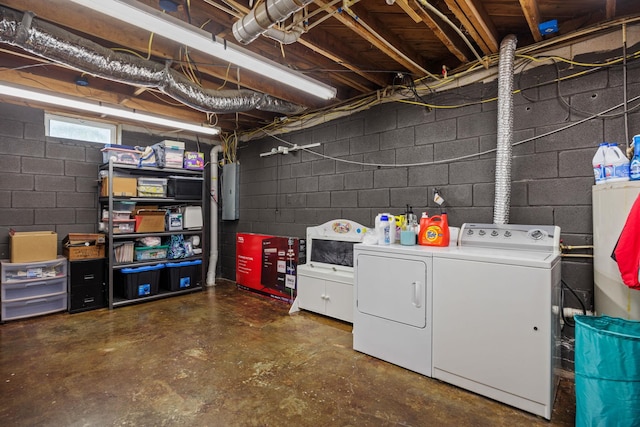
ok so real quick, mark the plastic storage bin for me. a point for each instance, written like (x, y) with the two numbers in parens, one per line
(122, 226)
(152, 187)
(19, 309)
(185, 187)
(32, 288)
(29, 271)
(607, 371)
(148, 253)
(140, 281)
(121, 154)
(182, 275)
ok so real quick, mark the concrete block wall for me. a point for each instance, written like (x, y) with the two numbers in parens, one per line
(552, 175)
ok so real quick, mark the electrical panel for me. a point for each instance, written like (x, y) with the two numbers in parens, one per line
(230, 197)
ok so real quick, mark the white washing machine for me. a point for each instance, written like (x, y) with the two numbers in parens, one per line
(479, 315)
(494, 324)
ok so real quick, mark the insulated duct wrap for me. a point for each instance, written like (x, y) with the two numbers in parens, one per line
(263, 16)
(58, 45)
(505, 130)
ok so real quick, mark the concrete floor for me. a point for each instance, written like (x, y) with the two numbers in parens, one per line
(223, 357)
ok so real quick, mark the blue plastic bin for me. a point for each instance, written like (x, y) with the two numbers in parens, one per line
(139, 282)
(607, 371)
(182, 275)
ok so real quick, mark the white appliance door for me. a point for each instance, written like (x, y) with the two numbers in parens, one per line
(392, 288)
(492, 328)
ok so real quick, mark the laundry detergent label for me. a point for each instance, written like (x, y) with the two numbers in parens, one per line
(433, 235)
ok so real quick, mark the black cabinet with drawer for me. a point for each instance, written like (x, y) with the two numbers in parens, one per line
(87, 285)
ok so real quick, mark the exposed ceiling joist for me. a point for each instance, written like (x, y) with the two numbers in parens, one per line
(385, 45)
(404, 5)
(532, 14)
(443, 32)
(358, 53)
(477, 22)
(610, 9)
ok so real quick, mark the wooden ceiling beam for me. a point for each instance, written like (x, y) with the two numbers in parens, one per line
(476, 21)
(610, 8)
(404, 5)
(443, 32)
(405, 58)
(336, 55)
(532, 14)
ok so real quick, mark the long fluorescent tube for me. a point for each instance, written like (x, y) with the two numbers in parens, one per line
(153, 20)
(63, 101)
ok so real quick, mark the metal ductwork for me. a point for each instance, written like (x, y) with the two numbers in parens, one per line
(60, 46)
(505, 130)
(264, 16)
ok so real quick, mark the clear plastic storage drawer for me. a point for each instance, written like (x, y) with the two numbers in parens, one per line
(20, 271)
(34, 306)
(32, 288)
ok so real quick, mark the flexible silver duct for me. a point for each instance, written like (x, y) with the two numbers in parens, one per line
(58, 45)
(505, 130)
(263, 16)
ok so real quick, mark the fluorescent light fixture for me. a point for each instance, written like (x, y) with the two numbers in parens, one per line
(24, 93)
(153, 20)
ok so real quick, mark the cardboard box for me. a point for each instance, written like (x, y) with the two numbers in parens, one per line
(78, 246)
(150, 220)
(33, 246)
(122, 187)
(194, 160)
(268, 264)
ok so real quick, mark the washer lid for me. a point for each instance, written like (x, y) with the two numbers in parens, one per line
(537, 259)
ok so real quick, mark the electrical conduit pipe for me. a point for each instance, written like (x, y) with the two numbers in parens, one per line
(213, 216)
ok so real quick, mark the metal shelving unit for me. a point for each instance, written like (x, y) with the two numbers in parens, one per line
(108, 202)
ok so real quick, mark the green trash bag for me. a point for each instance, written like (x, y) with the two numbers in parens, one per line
(607, 371)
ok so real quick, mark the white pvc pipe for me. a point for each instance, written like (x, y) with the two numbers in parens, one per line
(213, 216)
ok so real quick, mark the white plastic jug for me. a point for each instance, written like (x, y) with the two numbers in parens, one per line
(383, 229)
(618, 162)
(598, 163)
(391, 222)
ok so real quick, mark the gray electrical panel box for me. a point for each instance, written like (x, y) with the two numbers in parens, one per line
(230, 182)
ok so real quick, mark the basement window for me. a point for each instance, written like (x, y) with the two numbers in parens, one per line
(81, 129)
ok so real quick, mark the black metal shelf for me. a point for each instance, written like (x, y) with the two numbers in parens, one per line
(163, 200)
(119, 266)
(163, 293)
(149, 170)
(129, 236)
(116, 238)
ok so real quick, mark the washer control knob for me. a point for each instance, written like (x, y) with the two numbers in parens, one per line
(470, 232)
(482, 232)
(536, 234)
(494, 233)
(507, 233)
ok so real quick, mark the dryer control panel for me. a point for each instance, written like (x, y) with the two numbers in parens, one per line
(510, 236)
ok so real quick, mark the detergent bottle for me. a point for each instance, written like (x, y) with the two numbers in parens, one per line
(634, 168)
(617, 163)
(434, 231)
